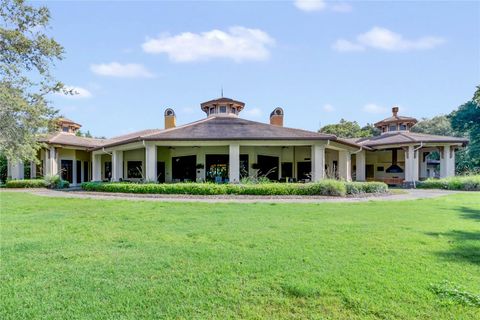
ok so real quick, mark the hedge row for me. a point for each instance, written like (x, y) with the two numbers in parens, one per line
(26, 183)
(52, 182)
(466, 183)
(323, 188)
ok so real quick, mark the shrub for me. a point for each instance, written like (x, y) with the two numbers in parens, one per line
(466, 183)
(26, 183)
(355, 188)
(323, 188)
(55, 182)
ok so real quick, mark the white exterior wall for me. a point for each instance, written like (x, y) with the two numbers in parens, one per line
(117, 165)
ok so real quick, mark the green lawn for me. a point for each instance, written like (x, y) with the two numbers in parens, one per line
(94, 259)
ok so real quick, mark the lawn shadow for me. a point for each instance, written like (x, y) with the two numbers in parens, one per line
(469, 213)
(464, 245)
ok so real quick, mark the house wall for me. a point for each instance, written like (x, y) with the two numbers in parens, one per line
(383, 159)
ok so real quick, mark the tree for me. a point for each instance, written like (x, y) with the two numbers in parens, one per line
(349, 129)
(26, 56)
(467, 119)
(439, 125)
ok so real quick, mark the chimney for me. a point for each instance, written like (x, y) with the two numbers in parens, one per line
(394, 111)
(276, 117)
(170, 119)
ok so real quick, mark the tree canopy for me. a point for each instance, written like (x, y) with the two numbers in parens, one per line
(349, 129)
(26, 57)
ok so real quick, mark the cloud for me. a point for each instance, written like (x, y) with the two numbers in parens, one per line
(254, 112)
(310, 5)
(238, 44)
(79, 92)
(373, 108)
(347, 46)
(384, 39)
(328, 108)
(115, 69)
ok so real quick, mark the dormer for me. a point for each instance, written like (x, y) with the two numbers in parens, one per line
(222, 107)
(395, 123)
(67, 126)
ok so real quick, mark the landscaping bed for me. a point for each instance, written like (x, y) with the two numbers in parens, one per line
(323, 188)
(465, 183)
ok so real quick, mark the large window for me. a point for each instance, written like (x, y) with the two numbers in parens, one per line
(184, 168)
(287, 170)
(108, 170)
(223, 109)
(67, 170)
(393, 127)
(85, 171)
(134, 169)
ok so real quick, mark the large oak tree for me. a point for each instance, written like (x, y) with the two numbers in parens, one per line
(27, 55)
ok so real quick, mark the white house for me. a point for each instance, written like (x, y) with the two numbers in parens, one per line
(223, 147)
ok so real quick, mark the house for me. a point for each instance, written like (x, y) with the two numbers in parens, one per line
(223, 147)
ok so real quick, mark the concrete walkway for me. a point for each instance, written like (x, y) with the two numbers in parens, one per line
(410, 194)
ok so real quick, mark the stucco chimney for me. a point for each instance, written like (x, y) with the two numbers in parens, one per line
(276, 117)
(170, 119)
(394, 111)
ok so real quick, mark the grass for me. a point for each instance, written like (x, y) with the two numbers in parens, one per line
(111, 259)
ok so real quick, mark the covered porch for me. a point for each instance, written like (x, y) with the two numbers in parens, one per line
(222, 161)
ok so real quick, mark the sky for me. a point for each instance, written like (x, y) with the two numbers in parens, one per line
(320, 61)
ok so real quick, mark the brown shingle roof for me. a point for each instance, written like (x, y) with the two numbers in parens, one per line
(406, 137)
(233, 128)
(68, 139)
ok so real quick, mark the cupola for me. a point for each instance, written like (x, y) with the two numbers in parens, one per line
(66, 125)
(395, 123)
(222, 107)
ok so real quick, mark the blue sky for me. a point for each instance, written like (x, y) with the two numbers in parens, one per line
(320, 61)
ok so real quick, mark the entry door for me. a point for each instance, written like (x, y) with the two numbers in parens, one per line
(160, 171)
(268, 166)
(79, 171)
(67, 170)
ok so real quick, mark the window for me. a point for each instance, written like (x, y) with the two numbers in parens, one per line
(212, 110)
(134, 169)
(393, 127)
(108, 170)
(65, 129)
(223, 109)
(287, 170)
(403, 127)
(380, 169)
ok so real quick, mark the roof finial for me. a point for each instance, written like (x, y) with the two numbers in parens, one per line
(222, 91)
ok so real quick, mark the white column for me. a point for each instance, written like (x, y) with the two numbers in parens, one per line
(360, 164)
(447, 162)
(318, 162)
(96, 167)
(117, 165)
(151, 163)
(234, 163)
(33, 170)
(52, 161)
(74, 171)
(345, 165)
(16, 170)
(423, 164)
(411, 164)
